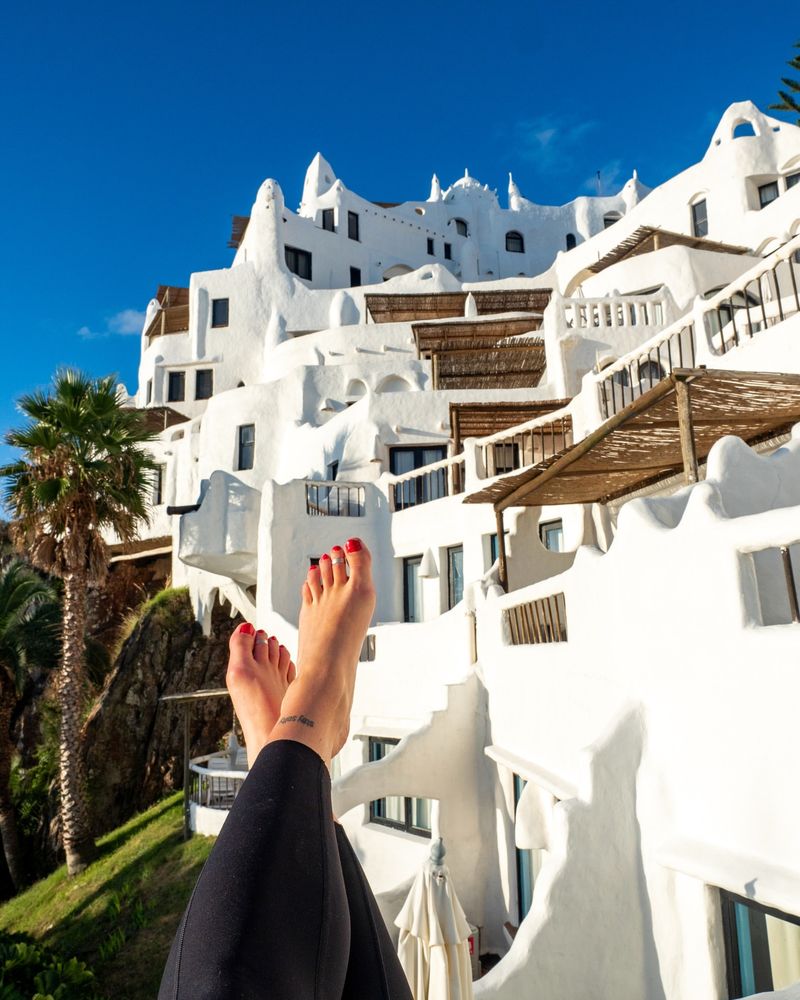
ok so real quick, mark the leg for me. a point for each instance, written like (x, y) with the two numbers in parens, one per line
(373, 969)
(268, 917)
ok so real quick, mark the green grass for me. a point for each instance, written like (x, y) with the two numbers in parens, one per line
(119, 915)
(171, 605)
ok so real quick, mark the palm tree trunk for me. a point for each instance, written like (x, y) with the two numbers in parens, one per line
(8, 816)
(79, 844)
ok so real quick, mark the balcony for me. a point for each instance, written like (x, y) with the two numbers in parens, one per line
(431, 482)
(326, 498)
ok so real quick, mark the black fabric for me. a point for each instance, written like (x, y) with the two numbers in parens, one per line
(282, 909)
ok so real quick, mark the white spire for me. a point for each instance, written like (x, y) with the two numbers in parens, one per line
(436, 189)
(515, 198)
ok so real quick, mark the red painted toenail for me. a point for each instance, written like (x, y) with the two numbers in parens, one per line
(313, 566)
(272, 638)
(325, 556)
(353, 544)
(337, 548)
(247, 629)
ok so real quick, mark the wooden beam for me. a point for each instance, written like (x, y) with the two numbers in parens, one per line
(187, 830)
(686, 430)
(501, 549)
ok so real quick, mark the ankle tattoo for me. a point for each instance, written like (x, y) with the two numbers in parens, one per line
(297, 718)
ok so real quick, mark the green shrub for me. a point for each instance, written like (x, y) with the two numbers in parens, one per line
(30, 972)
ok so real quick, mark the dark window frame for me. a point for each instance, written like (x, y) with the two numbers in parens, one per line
(148, 392)
(296, 261)
(728, 901)
(407, 562)
(245, 449)
(431, 248)
(700, 217)
(220, 313)
(462, 229)
(771, 186)
(792, 179)
(176, 386)
(355, 276)
(503, 453)
(353, 227)
(159, 484)
(551, 524)
(451, 583)
(571, 241)
(515, 241)
(408, 800)
(328, 220)
(410, 493)
(206, 373)
(448, 251)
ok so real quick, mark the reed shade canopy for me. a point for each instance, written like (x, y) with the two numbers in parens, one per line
(173, 316)
(238, 229)
(482, 353)
(646, 239)
(480, 420)
(669, 428)
(449, 305)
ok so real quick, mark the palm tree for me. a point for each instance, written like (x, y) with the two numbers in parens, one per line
(29, 616)
(790, 98)
(82, 476)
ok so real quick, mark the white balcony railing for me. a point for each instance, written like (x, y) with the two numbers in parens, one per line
(431, 482)
(617, 311)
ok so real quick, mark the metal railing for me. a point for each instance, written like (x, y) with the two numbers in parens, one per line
(525, 445)
(214, 787)
(332, 499)
(538, 621)
(635, 373)
(765, 296)
(618, 311)
(431, 482)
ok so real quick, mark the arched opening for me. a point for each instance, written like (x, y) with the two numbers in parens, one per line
(396, 270)
(571, 241)
(461, 227)
(356, 388)
(650, 372)
(742, 129)
(394, 383)
(515, 242)
(610, 218)
(240, 385)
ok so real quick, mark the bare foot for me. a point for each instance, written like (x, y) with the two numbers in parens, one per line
(334, 615)
(260, 671)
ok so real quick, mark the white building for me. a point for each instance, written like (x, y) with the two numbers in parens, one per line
(584, 677)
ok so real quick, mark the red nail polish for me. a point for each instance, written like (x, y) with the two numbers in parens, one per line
(353, 544)
(325, 556)
(260, 631)
(247, 629)
(313, 566)
(337, 548)
(272, 638)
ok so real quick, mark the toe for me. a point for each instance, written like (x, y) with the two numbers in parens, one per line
(274, 651)
(305, 593)
(284, 662)
(314, 583)
(241, 648)
(261, 648)
(325, 571)
(338, 564)
(360, 562)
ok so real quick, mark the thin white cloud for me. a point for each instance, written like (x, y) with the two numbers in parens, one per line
(126, 323)
(552, 143)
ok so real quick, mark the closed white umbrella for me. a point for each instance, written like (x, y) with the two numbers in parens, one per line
(434, 935)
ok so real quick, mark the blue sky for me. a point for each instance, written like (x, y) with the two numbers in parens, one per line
(133, 132)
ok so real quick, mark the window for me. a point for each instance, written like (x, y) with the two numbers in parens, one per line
(506, 458)
(176, 387)
(219, 312)
(551, 534)
(448, 251)
(204, 383)
(355, 277)
(515, 242)
(332, 471)
(455, 575)
(461, 227)
(767, 193)
(352, 225)
(159, 482)
(421, 489)
(412, 589)
(762, 946)
(700, 218)
(792, 179)
(610, 218)
(524, 859)
(298, 262)
(431, 251)
(247, 446)
(327, 220)
(149, 393)
(396, 811)
(571, 241)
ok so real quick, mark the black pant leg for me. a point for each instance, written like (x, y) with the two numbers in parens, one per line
(268, 919)
(373, 970)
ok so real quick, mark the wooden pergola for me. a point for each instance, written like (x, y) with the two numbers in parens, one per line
(481, 420)
(173, 316)
(669, 429)
(448, 305)
(239, 225)
(646, 239)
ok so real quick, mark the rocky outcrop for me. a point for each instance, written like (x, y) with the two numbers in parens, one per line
(133, 743)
